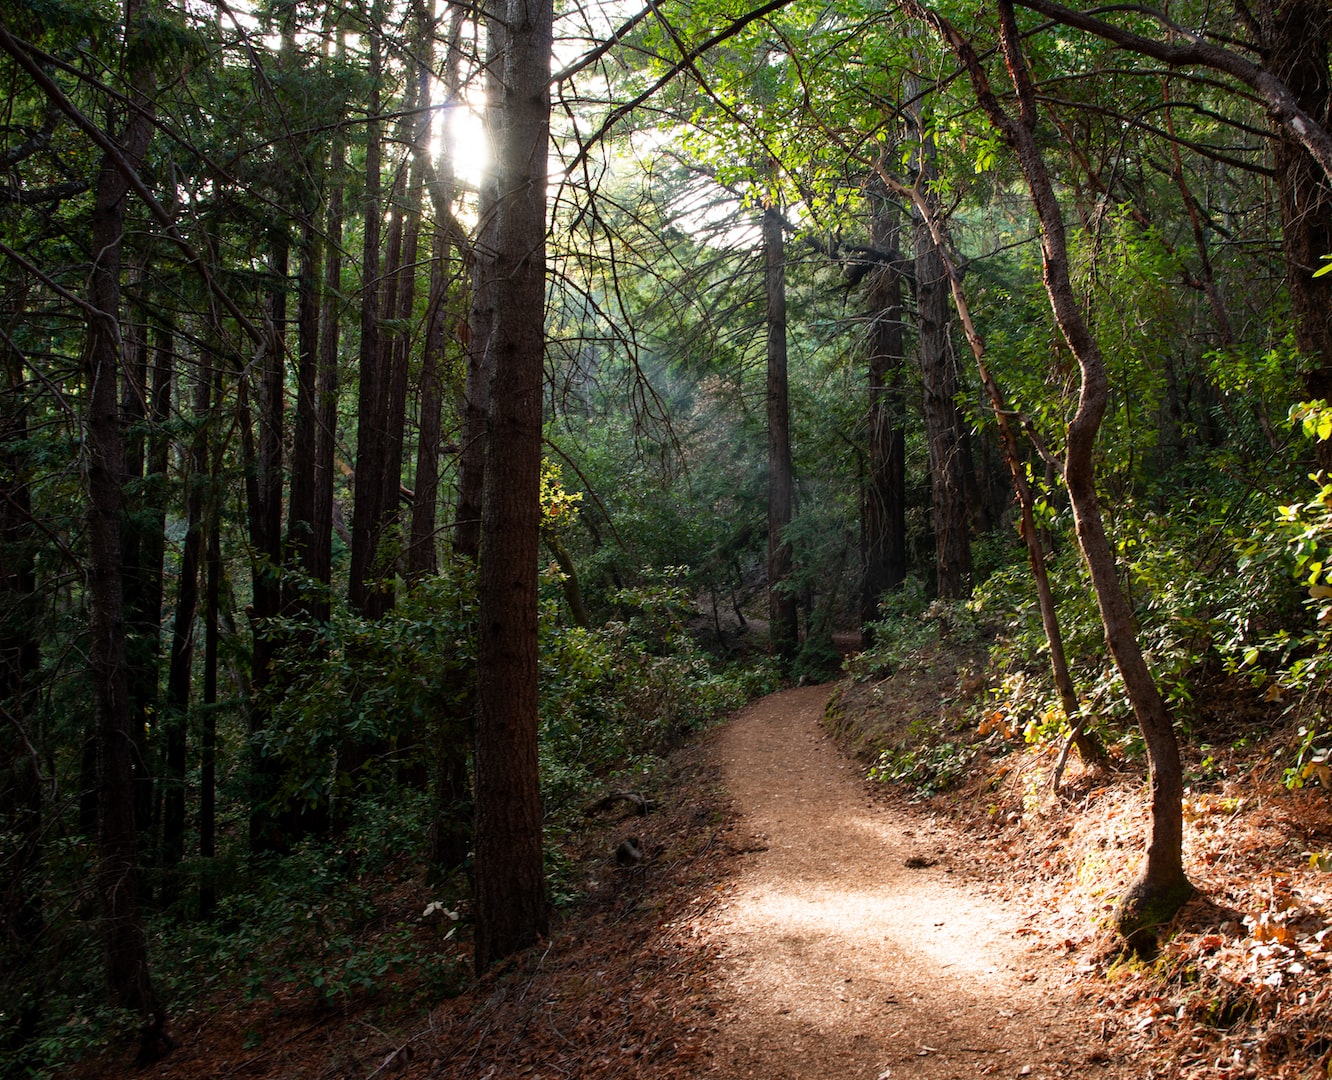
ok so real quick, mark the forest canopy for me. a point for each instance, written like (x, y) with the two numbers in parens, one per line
(417, 416)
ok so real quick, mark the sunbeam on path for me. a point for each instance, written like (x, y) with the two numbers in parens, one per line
(844, 946)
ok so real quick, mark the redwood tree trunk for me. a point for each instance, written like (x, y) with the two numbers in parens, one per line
(885, 489)
(370, 391)
(511, 911)
(784, 629)
(264, 484)
(943, 418)
(21, 886)
(421, 551)
(320, 554)
(125, 946)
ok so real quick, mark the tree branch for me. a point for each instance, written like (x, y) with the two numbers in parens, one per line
(1277, 98)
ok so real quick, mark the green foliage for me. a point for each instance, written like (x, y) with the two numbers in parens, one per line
(929, 765)
(1208, 584)
(312, 921)
(614, 697)
(908, 623)
(399, 681)
(81, 1028)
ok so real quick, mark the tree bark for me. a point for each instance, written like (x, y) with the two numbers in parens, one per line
(181, 664)
(422, 559)
(125, 945)
(481, 316)
(422, 555)
(141, 572)
(320, 553)
(784, 628)
(938, 370)
(21, 817)
(510, 883)
(212, 601)
(301, 590)
(1295, 48)
(363, 587)
(885, 555)
(264, 484)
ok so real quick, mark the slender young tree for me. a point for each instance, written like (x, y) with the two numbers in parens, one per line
(481, 314)
(1161, 887)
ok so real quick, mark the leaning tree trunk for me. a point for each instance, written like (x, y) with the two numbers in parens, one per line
(511, 910)
(784, 629)
(1161, 887)
(1088, 748)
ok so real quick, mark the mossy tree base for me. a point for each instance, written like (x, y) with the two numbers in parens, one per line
(1146, 907)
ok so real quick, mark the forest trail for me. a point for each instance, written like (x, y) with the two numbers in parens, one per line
(849, 945)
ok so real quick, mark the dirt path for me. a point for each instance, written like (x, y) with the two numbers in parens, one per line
(848, 945)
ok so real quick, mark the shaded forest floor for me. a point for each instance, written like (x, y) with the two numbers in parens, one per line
(790, 921)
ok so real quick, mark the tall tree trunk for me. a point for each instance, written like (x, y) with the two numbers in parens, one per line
(264, 509)
(784, 628)
(21, 889)
(1161, 887)
(511, 911)
(481, 316)
(885, 554)
(142, 580)
(421, 554)
(212, 601)
(421, 549)
(1296, 35)
(125, 945)
(938, 370)
(181, 665)
(403, 297)
(320, 552)
(363, 587)
(301, 589)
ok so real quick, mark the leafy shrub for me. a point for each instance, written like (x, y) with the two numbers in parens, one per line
(929, 766)
(616, 696)
(897, 635)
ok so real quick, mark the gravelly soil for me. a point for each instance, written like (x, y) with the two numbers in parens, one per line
(851, 944)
